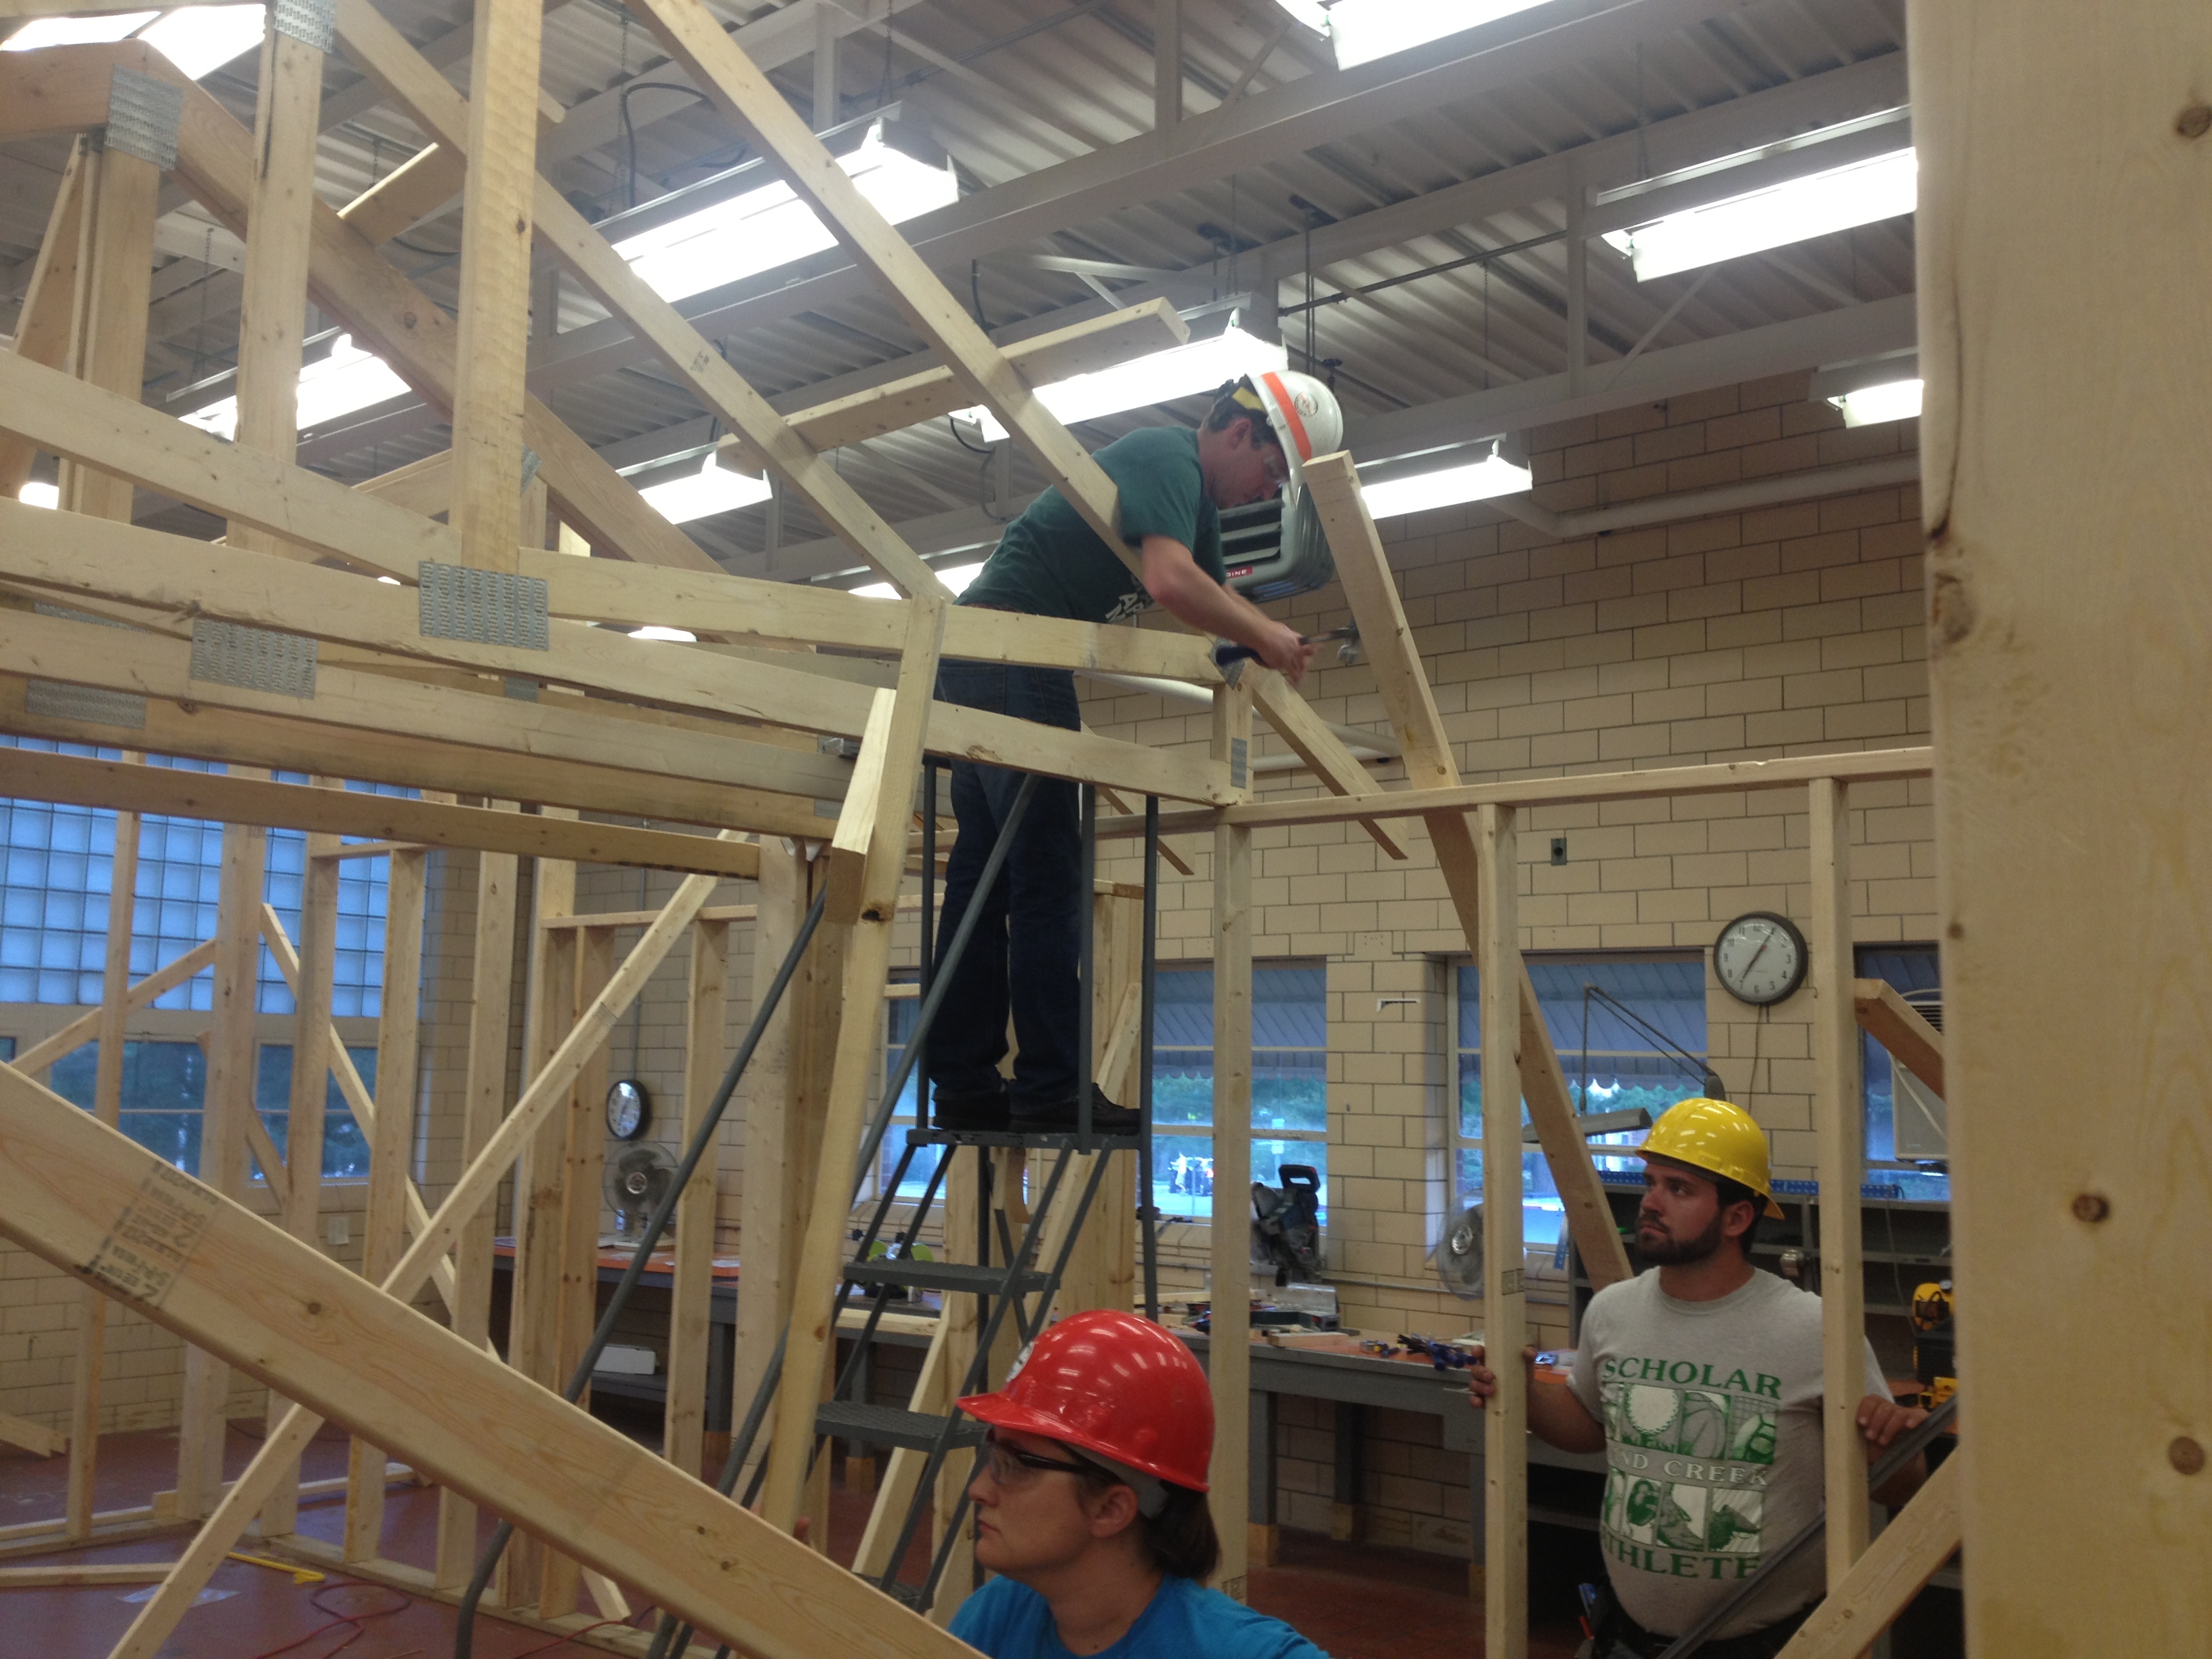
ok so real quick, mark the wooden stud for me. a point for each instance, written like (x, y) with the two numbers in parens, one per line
(901, 1475)
(1229, 1358)
(396, 1378)
(35, 1438)
(79, 1574)
(1918, 1540)
(1324, 753)
(484, 1091)
(1505, 1302)
(1902, 1028)
(230, 1087)
(684, 1425)
(492, 344)
(398, 1052)
(273, 306)
(1387, 641)
(812, 1342)
(1839, 1124)
(962, 1326)
(856, 819)
(108, 1107)
(86, 1027)
(333, 810)
(312, 1045)
(116, 284)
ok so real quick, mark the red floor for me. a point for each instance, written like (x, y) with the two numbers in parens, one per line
(1355, 1601)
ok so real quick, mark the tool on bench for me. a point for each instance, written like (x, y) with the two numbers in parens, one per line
(1347, 653)
(1444, 1356)
(1934, 1343)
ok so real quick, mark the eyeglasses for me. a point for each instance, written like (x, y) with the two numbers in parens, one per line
(1010, 1466)
(1277, 462)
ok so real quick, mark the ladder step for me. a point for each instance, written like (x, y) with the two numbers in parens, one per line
(942, 1276)
(1034, 1139)
(889, 1425)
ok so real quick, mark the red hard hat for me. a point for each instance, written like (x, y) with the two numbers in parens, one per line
(1114, 1384)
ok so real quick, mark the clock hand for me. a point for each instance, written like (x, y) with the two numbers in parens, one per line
(1760, 952)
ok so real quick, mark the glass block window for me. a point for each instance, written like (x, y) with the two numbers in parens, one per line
(1290, 1075)
(901, 1010)
(54, 896)
(164, 1094)
(1629, 1030)
(1920, 1169)
(345, 1146)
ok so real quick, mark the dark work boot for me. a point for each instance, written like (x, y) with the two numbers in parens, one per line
(1059, 1116)
(986, 1111)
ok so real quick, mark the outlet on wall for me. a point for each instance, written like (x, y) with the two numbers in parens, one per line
(1558, 849)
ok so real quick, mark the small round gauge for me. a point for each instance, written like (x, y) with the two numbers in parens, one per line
(630, 1109)
(1760, 958)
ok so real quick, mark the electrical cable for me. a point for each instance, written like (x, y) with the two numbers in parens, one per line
(355, 1620)
(630, 128)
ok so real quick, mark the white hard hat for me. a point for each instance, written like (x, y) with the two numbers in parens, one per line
(1305, 414)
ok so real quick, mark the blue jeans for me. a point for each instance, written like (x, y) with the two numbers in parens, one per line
(1022, 959)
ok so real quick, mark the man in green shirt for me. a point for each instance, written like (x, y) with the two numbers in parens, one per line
(1021, 960)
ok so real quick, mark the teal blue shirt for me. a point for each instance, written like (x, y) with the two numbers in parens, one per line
(1186, 1620)
(1050, 564)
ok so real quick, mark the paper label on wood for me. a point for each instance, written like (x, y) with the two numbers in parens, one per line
(153, 1238)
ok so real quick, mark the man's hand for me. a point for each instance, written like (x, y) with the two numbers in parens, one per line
(1482, 1381)
(1882, 1419)
(1282, 649)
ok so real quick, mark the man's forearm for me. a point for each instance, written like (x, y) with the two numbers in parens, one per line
(1560, 1419)
(1213, 609)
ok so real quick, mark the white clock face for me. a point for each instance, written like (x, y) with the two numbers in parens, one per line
(626, 1110)
(1761, 958)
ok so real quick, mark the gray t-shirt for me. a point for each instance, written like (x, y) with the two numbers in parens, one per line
(1712, 1442)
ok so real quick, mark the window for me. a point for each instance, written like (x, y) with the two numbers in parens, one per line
(901, 1010)
(1629, 1030)
(1916, 971)
(1289, 1074)
(54, 893)
(345, 1148)
(164, 1094)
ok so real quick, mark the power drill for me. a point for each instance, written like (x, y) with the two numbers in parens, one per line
(1934, 1361)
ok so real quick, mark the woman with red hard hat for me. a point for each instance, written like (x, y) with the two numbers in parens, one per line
(1090, 1506)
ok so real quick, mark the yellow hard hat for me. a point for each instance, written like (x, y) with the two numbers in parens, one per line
(1717, 1137)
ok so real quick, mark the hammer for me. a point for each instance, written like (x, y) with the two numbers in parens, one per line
(1225, 653)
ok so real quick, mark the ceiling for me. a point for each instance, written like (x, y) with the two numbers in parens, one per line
(1421, 202)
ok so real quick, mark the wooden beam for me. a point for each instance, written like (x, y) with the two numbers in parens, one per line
(35, 1438)
(1504, 1301)
(855, 833)
(684, 1423)
(1839, 1124)
(86, 1027)
(69, 1184)
(384, 1230)
(116, 282)
(174, 574)
(1866, 1600)
(232, 1075)
(357, 812)
(721, 69)
(108, 1107)
(2072, 808)
(423, 184)
(1310, 738)
(77, 1574)
(491, 1006)
(1899, 1027)
(272, 311)
(1387, 641)
(1229, 1358)
(492, 344)
(867, 955)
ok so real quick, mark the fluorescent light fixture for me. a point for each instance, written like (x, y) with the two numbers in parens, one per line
(389, 581)
(1871, 405)
(1880, 187)
(1363, 30)
(35, 493)
(201, 40)
(1160, 377)
(75, 30)
(703, 494)
(655, 631)
(1493, 475)
(347, 379)
(955, 577)
(1313, 14)
(769, 227)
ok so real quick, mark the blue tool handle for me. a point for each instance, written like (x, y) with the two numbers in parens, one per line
(1225, 653)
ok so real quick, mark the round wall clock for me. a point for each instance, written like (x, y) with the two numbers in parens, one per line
(630, 1109)
(1760, 958)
